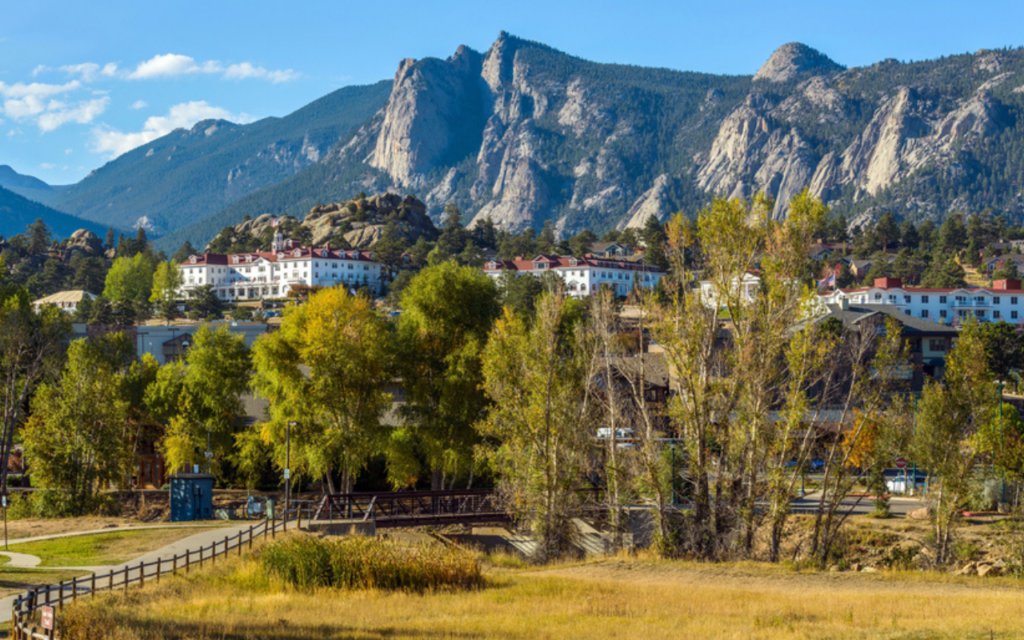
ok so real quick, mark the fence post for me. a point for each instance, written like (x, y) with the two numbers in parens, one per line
(159, 562)
(74, 590)
(92, 586)
(213, 556)
(142, 574)
(188, 559)
(60, 595)
(273, 527)
(200, 557)
(250, 538)
(126, 578)
(174, 567)
(239, 544)
(225, 546)
(110, 580)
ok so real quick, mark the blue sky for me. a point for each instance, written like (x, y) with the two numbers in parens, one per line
(82, 82)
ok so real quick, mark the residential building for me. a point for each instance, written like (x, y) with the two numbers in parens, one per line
(996, 263)
(1004, 300)
(64, 300)
(271, 274)
(582, 276)
(927, 342)
(171, 342)
(749, 286)
(610, 250)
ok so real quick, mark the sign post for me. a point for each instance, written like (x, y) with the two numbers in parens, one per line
(901, 463)
(46, 617)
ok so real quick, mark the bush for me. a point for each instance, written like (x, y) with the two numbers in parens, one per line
(370, 563)
(51, 503)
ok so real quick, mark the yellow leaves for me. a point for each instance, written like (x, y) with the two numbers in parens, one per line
(859, 441)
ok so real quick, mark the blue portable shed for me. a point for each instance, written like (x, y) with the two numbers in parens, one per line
(191, 497)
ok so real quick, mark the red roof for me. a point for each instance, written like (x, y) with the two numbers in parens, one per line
(289, 254)
(566, 262)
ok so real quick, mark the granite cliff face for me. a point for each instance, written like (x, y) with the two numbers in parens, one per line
(523, 134)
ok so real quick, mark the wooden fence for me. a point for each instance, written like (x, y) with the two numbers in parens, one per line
(27, 605)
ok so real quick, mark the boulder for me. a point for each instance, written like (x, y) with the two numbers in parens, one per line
(989, 570)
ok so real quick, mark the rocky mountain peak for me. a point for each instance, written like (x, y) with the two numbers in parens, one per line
(793, 60)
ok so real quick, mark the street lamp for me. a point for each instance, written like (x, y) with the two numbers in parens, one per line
(288, 469)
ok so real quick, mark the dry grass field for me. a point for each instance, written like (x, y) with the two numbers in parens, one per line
(622, 597)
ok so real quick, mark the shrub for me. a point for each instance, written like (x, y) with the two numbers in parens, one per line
(370, 563)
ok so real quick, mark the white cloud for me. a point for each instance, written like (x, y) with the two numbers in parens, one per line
(86, 71)
(68, 152)
(139, 104)
(83, 112)
(38, 101)
(114, 143)
(47, 165)
(168, 65)
(37, 89)
(248, 70)
(40, 69)
(172, 64)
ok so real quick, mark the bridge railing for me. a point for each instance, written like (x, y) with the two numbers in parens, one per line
(29, 604)
(409, 507)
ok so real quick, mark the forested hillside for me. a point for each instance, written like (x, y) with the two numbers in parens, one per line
(188, 175)
(16, 213)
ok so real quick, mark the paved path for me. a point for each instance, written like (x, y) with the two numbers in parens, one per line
(193, 542)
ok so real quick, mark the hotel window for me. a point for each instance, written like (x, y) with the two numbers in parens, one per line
(938, 346)
(1013, 315)
(995, 314)
(942, 313)
(1013, 300)
(924, 299)
(924, 313)
(996, 299)
(942, 299)
(906, 299)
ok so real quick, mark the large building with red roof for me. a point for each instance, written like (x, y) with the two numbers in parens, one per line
(272, 274)
(1004, 300)
(583, 276)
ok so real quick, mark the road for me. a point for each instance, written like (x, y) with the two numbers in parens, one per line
(899, 506)
(193, 542)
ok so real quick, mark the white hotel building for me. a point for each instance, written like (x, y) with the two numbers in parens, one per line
(271, 274)
(1004, 300)
(583, 276)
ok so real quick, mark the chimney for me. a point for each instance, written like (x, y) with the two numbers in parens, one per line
(1009, 284)
(888, 283)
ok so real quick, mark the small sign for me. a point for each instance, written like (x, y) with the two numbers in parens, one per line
(901, 463)
(46, 614)
(4, 501)
(287, 473)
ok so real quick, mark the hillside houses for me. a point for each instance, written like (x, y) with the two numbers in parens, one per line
(582, 276)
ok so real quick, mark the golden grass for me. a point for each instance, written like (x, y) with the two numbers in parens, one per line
(98, 549)
(616, 598)
(13, 580)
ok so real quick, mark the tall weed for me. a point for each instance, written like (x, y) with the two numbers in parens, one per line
(370, 563)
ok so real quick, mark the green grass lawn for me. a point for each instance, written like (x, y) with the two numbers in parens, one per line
(103, 548)
(17, 580)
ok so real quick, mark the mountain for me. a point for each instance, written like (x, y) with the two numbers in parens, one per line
(188, 175)
(27, 186)
(17, 212)
(525, 134)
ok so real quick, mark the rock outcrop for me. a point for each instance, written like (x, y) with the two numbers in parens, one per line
(793, 60)
(356, 223)
(523, 134)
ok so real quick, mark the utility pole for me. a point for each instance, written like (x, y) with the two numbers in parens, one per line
(288, 469)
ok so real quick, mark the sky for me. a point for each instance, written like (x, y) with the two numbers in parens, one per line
(83, 82)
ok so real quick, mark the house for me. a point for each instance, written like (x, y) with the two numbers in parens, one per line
(821, 250)
(1004, 300)
(64, 300)
(582, 276)
(168, 343)
(996, 263)
(610, 250)
(749, 286)
(272, 274)
(928, 342)
(1006, 246)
